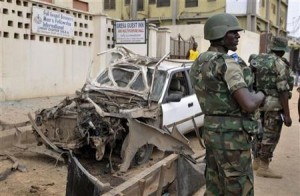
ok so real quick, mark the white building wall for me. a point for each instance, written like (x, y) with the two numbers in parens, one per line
(33, 65)
(163, 43)
(248, 43)
(152, 41)
(186, 31)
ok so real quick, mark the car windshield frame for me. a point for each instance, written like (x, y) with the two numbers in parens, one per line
(131, 74)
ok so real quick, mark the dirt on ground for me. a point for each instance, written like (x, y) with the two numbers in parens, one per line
(47, 176)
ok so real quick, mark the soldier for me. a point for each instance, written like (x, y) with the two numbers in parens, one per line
(296, 69)
(222, 87)
(273, 77)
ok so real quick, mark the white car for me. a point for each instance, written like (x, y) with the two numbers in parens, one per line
(154, 95)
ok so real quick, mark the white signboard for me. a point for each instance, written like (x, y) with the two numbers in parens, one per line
(130, 32)
(236, 6)
(53, 23)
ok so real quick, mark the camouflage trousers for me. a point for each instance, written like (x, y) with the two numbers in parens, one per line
(272, 125)
(228, 172)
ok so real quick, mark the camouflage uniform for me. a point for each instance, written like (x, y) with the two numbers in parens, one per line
(227, 129)
(273, 76)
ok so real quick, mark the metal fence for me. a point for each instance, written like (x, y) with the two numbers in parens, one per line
(179, 47)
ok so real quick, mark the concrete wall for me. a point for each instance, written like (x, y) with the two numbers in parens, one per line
(248, 43)
(163, 43)
(33, 65)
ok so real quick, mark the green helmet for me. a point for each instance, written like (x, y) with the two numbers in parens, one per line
(218, 25)
(279, 44)
(252, 56)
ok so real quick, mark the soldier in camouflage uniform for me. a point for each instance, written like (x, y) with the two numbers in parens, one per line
(222, 87)
(274, 78)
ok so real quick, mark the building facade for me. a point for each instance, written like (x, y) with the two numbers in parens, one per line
(254, 15)
(39, 64)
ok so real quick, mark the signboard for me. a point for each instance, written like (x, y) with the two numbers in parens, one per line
(53, 23)
(236, 6)
(130, 32)
(240, 6)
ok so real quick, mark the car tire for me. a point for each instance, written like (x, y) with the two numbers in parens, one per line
(142, 155)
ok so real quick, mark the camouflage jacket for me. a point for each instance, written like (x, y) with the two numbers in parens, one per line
(215, 76)
(272, 76)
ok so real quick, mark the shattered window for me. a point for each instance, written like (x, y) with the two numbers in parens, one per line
(159, 82)
(122, 77)
(103, 79)
(149, 76)
(138, 83)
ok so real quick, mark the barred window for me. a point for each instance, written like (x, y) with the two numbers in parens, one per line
(152, 1)
(191, 3)
(140, 5)
(109, 4)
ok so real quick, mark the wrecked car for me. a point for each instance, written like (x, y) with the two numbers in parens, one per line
(133, 104)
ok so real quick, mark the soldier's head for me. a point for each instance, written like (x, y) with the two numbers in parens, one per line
(279, 45)
(251, 57)
(222, 29)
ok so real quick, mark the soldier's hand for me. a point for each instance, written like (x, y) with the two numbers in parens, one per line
(287, 121)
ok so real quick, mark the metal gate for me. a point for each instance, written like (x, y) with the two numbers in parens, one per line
(179, 47)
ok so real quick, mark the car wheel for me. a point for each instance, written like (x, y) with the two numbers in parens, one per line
(142, 155)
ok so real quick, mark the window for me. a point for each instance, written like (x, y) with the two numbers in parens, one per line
(163, 3)
(178, 84)
(127, 2)
(273, 8)
(262, 3)
(48, 1)
(140, 5)
(152, 1)
(138, 84)
(80, 5)
(109, 4)
(191, 3)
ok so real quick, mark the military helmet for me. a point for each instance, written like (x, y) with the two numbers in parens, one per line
(279, 44)
(218, 25)
(251, 57)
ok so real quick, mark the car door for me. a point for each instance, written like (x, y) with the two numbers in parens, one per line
(180, 112)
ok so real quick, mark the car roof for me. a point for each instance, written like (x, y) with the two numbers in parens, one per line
(170, 64)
